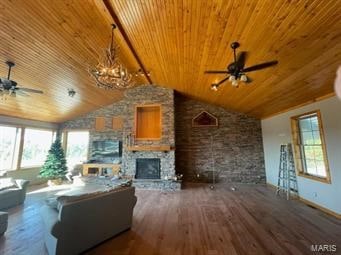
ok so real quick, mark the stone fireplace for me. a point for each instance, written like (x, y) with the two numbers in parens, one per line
(237, 140)
(125, 110)
(147, 168)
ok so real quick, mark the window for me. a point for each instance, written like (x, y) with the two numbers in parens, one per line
(309, 146)
(9, 147)
(36, 146)
(77, 143)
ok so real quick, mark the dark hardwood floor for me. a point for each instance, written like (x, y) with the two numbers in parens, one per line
(196, 220)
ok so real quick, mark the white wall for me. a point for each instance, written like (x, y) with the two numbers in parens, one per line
(277, 130)
(27, 173)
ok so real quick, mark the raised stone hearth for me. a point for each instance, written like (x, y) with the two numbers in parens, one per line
(168, 185)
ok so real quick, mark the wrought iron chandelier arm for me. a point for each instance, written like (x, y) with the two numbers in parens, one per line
(110, 73)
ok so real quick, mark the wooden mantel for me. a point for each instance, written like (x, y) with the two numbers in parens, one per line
(164, 148)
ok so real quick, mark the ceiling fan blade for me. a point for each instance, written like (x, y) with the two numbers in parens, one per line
(214, 71)
(260, 66)
(241, 59)
(19, 92)
(31, 90)
(223, 80)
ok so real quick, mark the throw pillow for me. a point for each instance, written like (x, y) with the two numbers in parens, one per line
(7, 183)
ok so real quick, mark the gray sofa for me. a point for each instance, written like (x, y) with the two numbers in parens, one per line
(81, 224)
(3, 222)
(13, 196)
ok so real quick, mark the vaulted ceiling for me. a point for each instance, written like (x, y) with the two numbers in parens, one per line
(54, 42)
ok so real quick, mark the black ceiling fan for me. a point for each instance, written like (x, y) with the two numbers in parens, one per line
(236, 71)
(9, 87)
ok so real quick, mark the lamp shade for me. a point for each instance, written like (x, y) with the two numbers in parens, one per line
(243, 78)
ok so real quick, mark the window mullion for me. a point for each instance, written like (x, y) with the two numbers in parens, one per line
(21, 148)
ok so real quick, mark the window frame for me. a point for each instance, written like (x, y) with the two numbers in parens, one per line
(21, 151)
(64, 138)
(297, 144)
(21, 144)
(16, 153)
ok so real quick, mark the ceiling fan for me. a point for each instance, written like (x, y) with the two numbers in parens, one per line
(9, 87)
(236, 71)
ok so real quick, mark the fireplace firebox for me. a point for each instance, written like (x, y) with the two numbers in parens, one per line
(147, 168)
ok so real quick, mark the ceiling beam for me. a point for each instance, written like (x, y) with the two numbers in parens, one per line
(126, 38)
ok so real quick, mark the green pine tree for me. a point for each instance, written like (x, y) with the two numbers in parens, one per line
(55, 164)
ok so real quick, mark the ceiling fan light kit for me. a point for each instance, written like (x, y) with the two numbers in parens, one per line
(71, 92)
(243, 78)
(236, 71)
(214, 87)
(235, 83)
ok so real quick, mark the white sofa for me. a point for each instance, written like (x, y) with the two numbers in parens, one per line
(81, 223)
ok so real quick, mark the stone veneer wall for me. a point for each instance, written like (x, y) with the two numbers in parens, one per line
(145, 94)
(237, 144)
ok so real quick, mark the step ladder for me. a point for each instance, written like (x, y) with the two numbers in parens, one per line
(287, 181)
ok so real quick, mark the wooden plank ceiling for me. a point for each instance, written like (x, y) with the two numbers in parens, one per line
(53, 42)
(179, 40)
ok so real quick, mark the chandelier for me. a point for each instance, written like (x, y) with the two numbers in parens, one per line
(109, 72)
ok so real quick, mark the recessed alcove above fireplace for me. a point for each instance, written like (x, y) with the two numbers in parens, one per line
(148, 119)
(147, 168)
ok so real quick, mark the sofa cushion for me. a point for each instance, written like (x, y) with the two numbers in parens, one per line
(3, 223)
(6, 183)
(56, 202)
(73, 198)
(85, 194)
(3, 217)
(11, 192)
